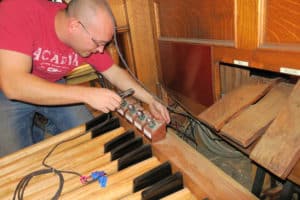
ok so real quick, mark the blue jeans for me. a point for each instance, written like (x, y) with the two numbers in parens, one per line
(17, 129)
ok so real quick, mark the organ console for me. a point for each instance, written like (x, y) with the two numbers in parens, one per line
(109, 161)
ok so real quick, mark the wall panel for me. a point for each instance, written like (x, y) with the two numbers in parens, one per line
(186, 70)
(279, 25)
(198, 20)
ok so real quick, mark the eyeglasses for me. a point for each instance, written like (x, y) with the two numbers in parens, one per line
(97, 43)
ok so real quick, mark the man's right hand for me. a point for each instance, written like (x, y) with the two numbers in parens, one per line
(103, 99)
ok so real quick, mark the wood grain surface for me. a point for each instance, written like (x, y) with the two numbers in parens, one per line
(252, 122)
(217, 115)
(279, 148)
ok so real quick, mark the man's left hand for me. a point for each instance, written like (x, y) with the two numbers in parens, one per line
(159, 111)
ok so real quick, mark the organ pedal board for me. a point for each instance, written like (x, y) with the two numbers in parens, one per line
(110, 162)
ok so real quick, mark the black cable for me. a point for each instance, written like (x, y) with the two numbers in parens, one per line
(216, 146)
(193, 119)
(180, 113)
(20, 189)
(181, 133)
(131, 73)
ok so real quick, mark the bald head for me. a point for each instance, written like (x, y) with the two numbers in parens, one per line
(88, 10)
(86, 26)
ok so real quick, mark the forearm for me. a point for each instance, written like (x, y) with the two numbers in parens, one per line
(32, 89)
(18, 83)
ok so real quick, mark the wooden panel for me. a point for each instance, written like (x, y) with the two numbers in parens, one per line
(247, 14)
(274, 60)
(196, 19)
(251, 123)
(186, 70)
(118, 9)
(270, 60)
(143, 41)
(281, 23)
(279, 149)
(223, 110)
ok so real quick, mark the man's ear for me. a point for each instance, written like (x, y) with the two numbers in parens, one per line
(73, 25)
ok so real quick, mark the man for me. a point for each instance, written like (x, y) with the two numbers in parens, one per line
(40, 43)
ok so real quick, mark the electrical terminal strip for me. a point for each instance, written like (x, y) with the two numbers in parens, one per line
(124, 105)
(141, 119)
(131, 112)
(154, 129)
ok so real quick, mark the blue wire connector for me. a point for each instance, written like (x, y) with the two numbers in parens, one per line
(102, 181)
(101, 177)
(97, 175)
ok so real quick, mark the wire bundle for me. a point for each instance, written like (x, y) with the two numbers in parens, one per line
(19, 192)
(20, 189)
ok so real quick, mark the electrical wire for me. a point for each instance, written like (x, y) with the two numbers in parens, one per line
(211, 141)
(182, 133)
(131, 73)
(214, 145)
(20, 189)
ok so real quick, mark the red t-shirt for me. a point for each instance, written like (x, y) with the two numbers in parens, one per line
(27, 26)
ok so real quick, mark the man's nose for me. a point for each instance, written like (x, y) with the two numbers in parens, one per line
(100, 49)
